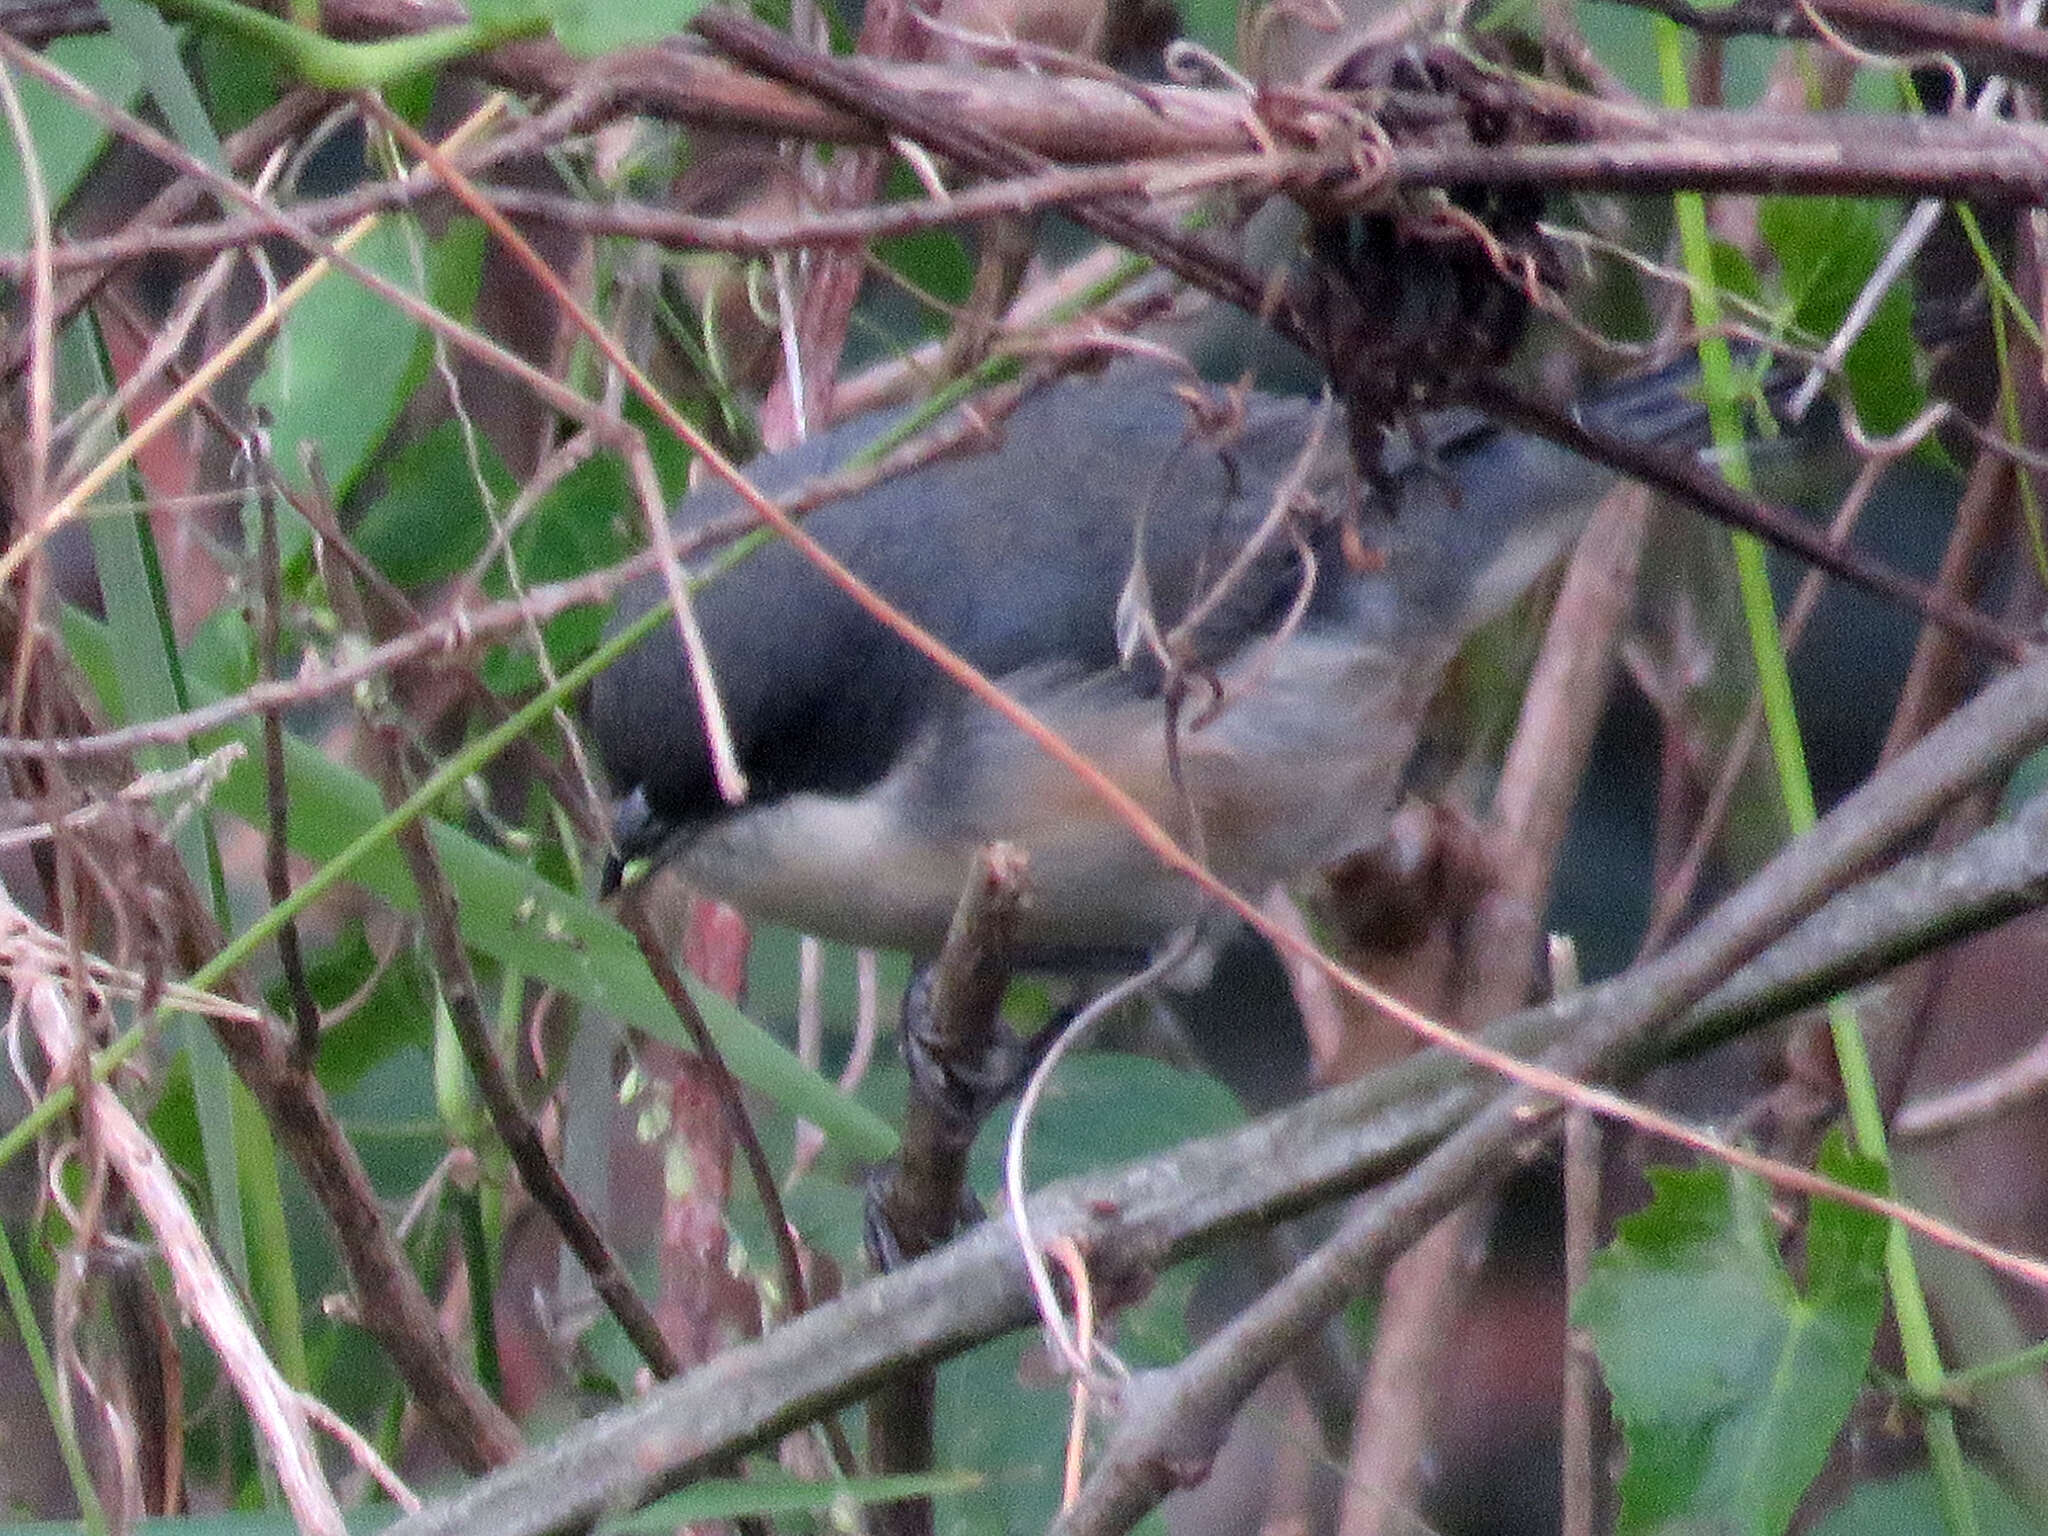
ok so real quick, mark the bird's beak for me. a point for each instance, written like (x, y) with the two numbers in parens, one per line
(636, 831)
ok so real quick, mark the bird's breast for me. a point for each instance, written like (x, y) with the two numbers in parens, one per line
(1300, 764)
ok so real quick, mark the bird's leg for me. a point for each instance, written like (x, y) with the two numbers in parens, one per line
(965, 1087)
(962, 1061)
(954, 1044)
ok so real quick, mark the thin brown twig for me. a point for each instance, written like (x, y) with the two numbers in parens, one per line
(458, 634)
(431, 640)
(24, 943)
(162, 340)
(1063, 186)
(515, 1128)
(37, 22)
(667, 227)
(1420, 1302)
(362, 1452)
(1065, 1252)
(277, 876)
(814, 325)
(1979, 43)
(2019, 1081)
(1581, 1413)
(390, 1305)
(39, 337)
(1936, 677)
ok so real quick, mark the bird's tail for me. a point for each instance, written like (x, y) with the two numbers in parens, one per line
(1481, 515)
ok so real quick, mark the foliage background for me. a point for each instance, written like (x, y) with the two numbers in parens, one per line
(412, 487)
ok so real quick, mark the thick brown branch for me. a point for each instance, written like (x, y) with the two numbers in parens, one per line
(1092, 121)
(1981, 44)
(1166, 1208)
(1844, 155)
(1197, 1397)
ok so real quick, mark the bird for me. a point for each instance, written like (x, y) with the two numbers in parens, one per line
(1211, 604)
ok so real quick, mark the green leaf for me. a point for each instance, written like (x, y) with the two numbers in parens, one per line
(430, 522)
(66, 140)
(998, 1409)
(581, 525)
(1911, 1506)
(1622, 37)
(1103, 1108)
(396, 1014)
(241, 77)
(320, 60)
(510, 13)
(455, 268)
(1215, 24)
(522, 921)
(1003, 1410)
(936, 261)
(1827, 249)
(336, 373)
(1732, 270)
(149, 38)
(1732, 1383)
(591, 27)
